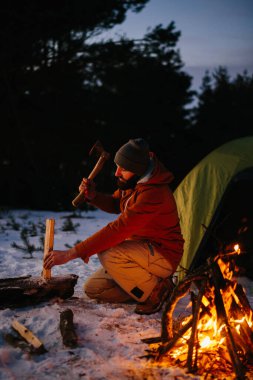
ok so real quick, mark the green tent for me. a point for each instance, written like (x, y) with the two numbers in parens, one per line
(200, 193)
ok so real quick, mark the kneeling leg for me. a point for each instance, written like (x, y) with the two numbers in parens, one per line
(102, 287)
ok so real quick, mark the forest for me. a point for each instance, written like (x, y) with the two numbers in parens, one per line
(63, 86)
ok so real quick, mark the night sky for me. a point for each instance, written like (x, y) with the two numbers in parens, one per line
(213, 32)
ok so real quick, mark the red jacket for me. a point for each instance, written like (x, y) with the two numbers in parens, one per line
(148, 212)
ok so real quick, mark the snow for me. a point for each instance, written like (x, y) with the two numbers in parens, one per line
(109, 335)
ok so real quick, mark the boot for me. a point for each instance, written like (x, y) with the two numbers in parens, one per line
(157, 297)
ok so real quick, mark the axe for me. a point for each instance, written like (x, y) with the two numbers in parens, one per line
(103, 157)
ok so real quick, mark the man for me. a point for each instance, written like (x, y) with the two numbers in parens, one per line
(141, 249)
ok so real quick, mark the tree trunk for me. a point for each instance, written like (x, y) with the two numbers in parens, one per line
(22, 291)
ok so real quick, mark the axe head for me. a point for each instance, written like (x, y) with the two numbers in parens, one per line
(98, 150)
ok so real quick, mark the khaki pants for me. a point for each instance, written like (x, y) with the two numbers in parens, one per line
(130, 270)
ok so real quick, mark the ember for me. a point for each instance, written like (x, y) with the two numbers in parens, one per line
(216, 339)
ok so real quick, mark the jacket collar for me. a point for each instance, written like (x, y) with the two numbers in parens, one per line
(146, 176)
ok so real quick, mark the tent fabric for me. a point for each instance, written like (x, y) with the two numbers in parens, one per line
(201, 191)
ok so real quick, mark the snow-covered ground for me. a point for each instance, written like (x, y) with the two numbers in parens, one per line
(109, 335)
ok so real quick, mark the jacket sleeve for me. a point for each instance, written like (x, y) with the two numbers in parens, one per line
(128, 223)
(106, 202)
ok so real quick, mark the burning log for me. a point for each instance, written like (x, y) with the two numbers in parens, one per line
(179, 292)
(217, 338)
(192, 356)
(222, 319)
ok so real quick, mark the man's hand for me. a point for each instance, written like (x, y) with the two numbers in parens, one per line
(88, 187)
(59, 257)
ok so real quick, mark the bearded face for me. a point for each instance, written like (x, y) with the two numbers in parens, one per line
(125, 184)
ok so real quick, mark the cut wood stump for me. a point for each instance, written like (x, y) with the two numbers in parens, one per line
(67, 328)
(27, 290)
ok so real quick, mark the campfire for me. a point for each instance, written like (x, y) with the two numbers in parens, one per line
(215, 339)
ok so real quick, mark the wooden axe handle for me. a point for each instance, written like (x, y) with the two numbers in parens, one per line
(97, 168)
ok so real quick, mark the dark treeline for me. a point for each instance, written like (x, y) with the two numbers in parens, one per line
(63, 87)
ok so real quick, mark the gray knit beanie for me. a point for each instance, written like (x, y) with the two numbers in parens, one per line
(133, 156)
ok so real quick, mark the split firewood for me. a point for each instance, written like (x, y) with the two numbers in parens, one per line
(48, 245)
(67, 328)
(28, 336)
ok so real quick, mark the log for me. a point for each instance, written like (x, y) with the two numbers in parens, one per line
(178, 293)
(246, 333)
(193, 343)
(28, 290)
(243, 299)
(239, 369)
(166, 347)
(67, 328)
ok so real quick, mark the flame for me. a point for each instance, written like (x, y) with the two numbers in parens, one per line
(237, 248)
(205, 342)
(211, 335)
(250, 320)
(206, 353)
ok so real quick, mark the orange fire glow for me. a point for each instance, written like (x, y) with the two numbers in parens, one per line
(211, 332)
